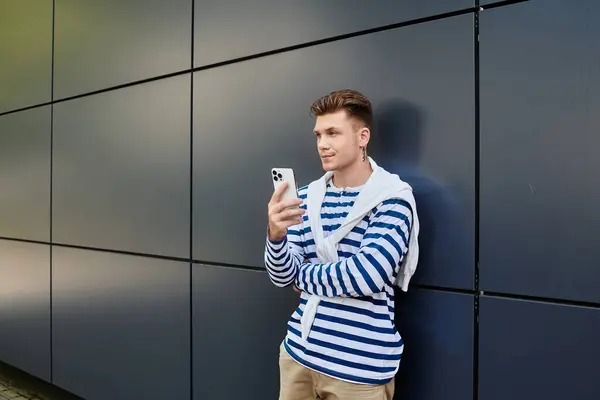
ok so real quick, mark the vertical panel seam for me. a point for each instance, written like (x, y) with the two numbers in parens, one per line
(191, 219)
(477, 201)
(51, 190)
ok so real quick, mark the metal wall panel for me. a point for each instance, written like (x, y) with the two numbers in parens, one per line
(540, 118)
(120, 326)
(25, 307)
(437, 329)
(99, 44)
(257, 118)
(238, 331)
(25, 174)
(122, 169)
(531, 350)
(228, 29)
(26, 53)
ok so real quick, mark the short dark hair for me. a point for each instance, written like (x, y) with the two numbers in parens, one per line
(356, 104)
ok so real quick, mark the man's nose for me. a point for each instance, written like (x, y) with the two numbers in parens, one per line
(323, 145)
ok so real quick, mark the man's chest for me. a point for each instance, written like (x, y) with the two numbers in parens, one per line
(334, 211)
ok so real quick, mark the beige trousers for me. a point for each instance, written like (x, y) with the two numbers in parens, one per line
(300, 383)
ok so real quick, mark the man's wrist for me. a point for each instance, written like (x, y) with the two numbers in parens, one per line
(273, 239)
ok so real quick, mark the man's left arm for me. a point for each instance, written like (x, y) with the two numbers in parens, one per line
(374, 266)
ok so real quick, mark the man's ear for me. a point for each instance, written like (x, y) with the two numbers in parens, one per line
(364, 135)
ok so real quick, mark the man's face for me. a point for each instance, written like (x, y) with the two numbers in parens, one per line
(339, 140)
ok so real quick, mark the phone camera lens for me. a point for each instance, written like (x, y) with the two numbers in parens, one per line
(279, 175)
(275, 178)
(274, 172)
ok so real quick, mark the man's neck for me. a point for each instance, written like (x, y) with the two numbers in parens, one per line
(353, 175)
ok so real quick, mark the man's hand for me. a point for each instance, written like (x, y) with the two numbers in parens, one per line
(283, 214)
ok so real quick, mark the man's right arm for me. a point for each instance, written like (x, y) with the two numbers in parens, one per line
(284, 250)
(284, 257)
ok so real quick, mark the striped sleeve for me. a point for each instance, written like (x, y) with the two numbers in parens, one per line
(374, 266)
(283, 258)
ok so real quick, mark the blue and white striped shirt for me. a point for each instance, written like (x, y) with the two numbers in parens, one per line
(353, 337)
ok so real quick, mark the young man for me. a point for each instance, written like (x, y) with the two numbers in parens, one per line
(343, 245)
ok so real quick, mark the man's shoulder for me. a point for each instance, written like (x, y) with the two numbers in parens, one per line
(394, 209)
(303, 191)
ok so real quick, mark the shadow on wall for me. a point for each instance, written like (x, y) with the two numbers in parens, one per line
(397, 146)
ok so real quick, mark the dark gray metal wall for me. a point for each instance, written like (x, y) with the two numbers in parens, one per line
(135, 143)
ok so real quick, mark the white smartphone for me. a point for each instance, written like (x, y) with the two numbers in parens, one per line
(280, 175)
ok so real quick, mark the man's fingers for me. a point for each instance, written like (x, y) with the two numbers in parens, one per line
(279, 207)
(289, 214)
(292, 215)
(283, 225)
(278, 192)
(291, 203)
